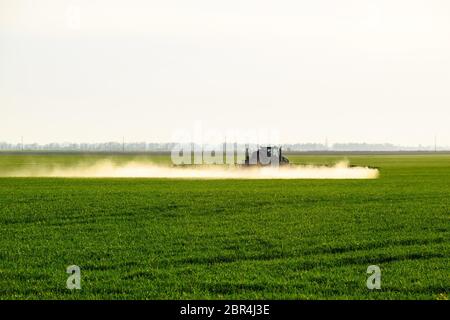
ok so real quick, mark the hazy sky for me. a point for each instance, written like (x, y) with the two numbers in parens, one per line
(97, 70)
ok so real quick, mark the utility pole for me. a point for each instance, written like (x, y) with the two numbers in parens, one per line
(435, 143)
(21, 143)
(123, 144)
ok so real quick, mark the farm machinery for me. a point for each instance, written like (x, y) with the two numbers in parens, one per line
(265, 156)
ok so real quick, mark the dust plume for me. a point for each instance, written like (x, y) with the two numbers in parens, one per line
(108, 169)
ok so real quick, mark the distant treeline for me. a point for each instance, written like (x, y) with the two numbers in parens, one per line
(164, 147)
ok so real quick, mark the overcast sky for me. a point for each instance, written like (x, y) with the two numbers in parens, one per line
(97, 70)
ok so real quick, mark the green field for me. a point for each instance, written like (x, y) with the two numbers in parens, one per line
(227, 239)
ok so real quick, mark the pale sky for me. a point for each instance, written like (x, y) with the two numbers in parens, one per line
(352, 71)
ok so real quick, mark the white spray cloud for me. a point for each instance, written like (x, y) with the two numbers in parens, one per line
(108, 169)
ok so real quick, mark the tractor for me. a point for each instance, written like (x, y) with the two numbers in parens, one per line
(265, 156)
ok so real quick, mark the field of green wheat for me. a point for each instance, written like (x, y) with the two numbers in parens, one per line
(138, 238)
